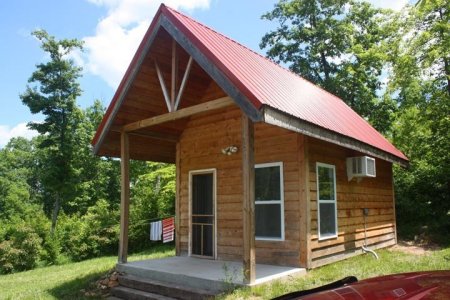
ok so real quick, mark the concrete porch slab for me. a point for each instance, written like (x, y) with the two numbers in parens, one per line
(215, 275)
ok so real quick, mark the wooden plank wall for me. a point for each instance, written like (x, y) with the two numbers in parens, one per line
(373, 193)
(200, 148)
(273, 144)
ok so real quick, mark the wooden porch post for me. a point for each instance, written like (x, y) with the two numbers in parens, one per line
(177, 198)
(125, 196)
(305, 202)
(248, 192)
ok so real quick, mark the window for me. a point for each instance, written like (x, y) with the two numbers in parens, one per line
(269, 207)
(326, 201)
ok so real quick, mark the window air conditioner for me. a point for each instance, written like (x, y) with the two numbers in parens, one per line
(360, 166)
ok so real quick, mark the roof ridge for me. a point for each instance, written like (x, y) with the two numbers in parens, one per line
(251, 50)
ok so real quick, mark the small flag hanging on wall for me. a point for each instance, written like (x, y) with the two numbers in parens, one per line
(168, 227)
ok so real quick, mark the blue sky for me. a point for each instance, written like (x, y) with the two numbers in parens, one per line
(111, 30)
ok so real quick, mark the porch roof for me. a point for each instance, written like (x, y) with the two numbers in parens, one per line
(264, 90)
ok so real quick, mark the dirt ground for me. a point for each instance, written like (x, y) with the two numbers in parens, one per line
(415, 247)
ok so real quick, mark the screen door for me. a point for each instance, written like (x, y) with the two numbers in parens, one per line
(202, 215)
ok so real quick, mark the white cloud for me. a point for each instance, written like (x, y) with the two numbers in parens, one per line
(21, 129)
(392, 4)
(109, 52)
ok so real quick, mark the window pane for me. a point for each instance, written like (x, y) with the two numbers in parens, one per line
(267, 183)
(268, 220)
(202, 194)
(326, 183)
(208, 240)
(197, 239)
(327, 219)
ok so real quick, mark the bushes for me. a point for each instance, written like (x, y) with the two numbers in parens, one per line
(93, 234)
(26, 241)
(21, 250)
(153, 196)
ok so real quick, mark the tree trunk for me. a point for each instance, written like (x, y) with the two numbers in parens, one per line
(326, 67)
(447, 73)
(446, 62)
(323, 59)
(55, 213)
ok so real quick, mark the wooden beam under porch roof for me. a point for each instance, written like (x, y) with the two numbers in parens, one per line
(248, 201)
(125, 196)
(179, 114)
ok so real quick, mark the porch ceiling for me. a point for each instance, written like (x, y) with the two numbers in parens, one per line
(144, 99)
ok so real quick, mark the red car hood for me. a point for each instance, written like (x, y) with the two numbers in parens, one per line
(412, 286)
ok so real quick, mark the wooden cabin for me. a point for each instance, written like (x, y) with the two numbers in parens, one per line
(264, 159)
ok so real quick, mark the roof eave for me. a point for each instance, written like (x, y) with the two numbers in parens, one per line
(278, 118)
(126, 81)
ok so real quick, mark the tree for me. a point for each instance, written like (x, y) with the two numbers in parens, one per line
(15, 169)
(53, 93)
(419, 83)
(337, 45)
(152, 197)
(431, 46)
(96, 177)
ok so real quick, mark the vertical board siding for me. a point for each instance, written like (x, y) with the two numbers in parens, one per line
(373, 193)
(201, 147)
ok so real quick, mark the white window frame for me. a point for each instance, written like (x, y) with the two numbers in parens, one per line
(333, 201)
(281, 201)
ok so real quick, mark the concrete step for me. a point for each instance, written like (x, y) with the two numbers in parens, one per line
(164, 288)
(122, 292)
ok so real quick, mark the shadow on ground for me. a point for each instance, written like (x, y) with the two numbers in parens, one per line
(75, 289)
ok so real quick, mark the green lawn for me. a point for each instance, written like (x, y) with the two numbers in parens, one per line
(362, 266)
(66, 281)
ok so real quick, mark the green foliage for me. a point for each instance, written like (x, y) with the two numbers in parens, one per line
(53, 94)
(57, 172)
(419, 83)
(153, 196)
(20, 250)
(92, 234)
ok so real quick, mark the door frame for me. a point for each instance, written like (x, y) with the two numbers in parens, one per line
(212, 171)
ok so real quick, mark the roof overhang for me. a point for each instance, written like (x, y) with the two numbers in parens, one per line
(281, 119)
(228, 82)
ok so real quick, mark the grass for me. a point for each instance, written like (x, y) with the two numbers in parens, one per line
(66, 281)
(362, 266)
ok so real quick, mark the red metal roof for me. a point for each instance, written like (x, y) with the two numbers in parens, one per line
(264, 82)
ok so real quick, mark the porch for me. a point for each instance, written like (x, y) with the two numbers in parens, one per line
(208, 131)
(205, 274)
